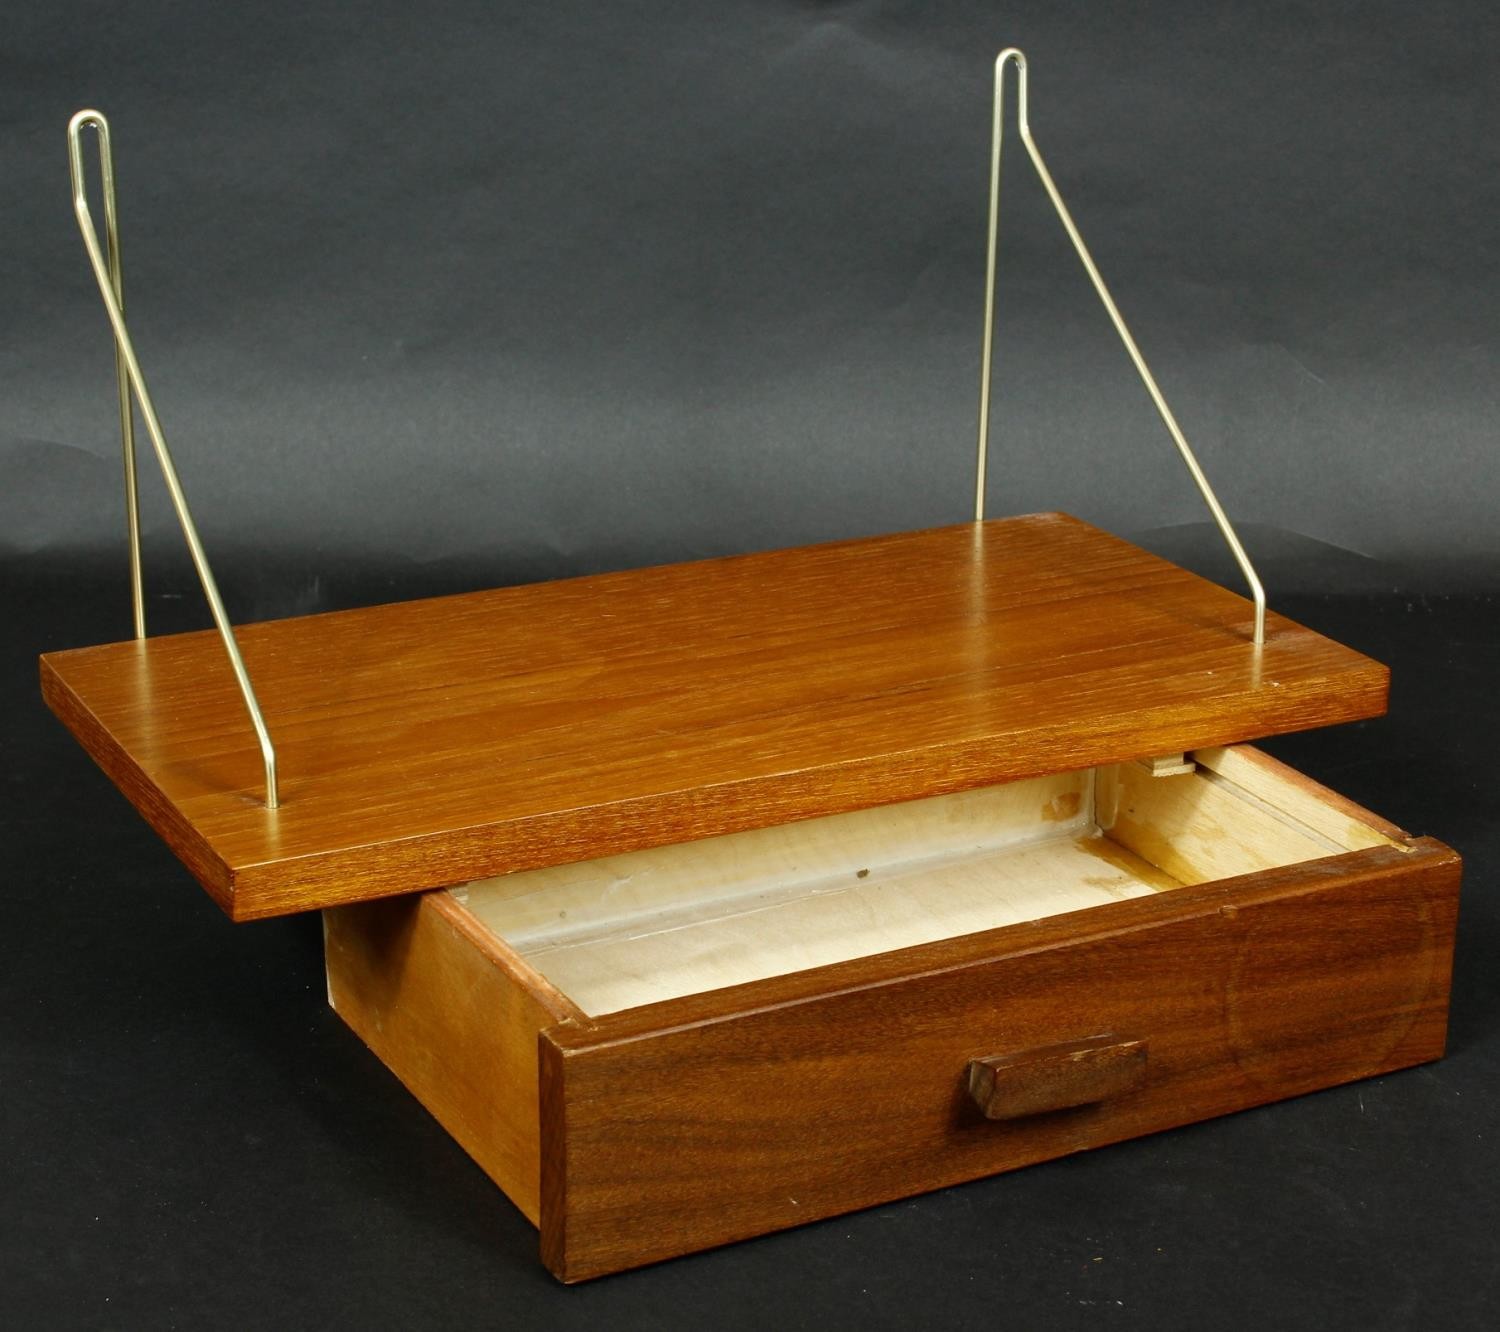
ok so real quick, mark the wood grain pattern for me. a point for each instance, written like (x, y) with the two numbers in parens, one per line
(708, 1119)
(1198, 830)
(434, 742)
(455, 1014)
(1056, 1077)
(1329, 814)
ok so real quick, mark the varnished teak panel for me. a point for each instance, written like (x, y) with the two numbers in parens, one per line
(433, 742)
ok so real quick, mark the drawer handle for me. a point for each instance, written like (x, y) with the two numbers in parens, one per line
(1056, 1077)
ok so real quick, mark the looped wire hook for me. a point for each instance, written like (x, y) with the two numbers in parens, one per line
(1011, 55)
(93, 120)
(128, 370)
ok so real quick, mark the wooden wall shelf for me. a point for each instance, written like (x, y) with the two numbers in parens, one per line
(702, 900)
(436, 741)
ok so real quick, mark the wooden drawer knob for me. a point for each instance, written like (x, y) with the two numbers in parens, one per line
(1056, 1077)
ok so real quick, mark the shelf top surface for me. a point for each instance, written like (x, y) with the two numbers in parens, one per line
(434, 742)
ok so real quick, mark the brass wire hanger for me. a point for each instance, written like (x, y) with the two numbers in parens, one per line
(105, 261)
(1011, 55)
(128, 372)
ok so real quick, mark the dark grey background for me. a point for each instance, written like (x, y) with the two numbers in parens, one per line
(586, 284)
(443, 296)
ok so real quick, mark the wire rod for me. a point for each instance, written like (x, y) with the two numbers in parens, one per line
(107, 274)
(1011, 55)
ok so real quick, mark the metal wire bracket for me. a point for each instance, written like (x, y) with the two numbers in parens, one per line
(128, 372)
(1013, 56)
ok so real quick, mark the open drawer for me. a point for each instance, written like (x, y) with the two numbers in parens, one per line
(674, 1048)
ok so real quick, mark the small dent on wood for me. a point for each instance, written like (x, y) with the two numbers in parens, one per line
(1358, 834)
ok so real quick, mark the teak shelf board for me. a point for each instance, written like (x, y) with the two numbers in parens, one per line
(432, 742)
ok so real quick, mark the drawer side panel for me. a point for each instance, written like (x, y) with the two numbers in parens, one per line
(454, 1019)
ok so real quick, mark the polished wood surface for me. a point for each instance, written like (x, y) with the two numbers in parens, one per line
(433, 742)
(705, 1120)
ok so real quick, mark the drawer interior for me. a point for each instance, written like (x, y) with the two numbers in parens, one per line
(633, 929)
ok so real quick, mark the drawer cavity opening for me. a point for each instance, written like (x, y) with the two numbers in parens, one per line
(633, 929)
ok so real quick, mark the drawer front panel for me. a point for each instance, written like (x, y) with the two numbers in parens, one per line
(697, 1122)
